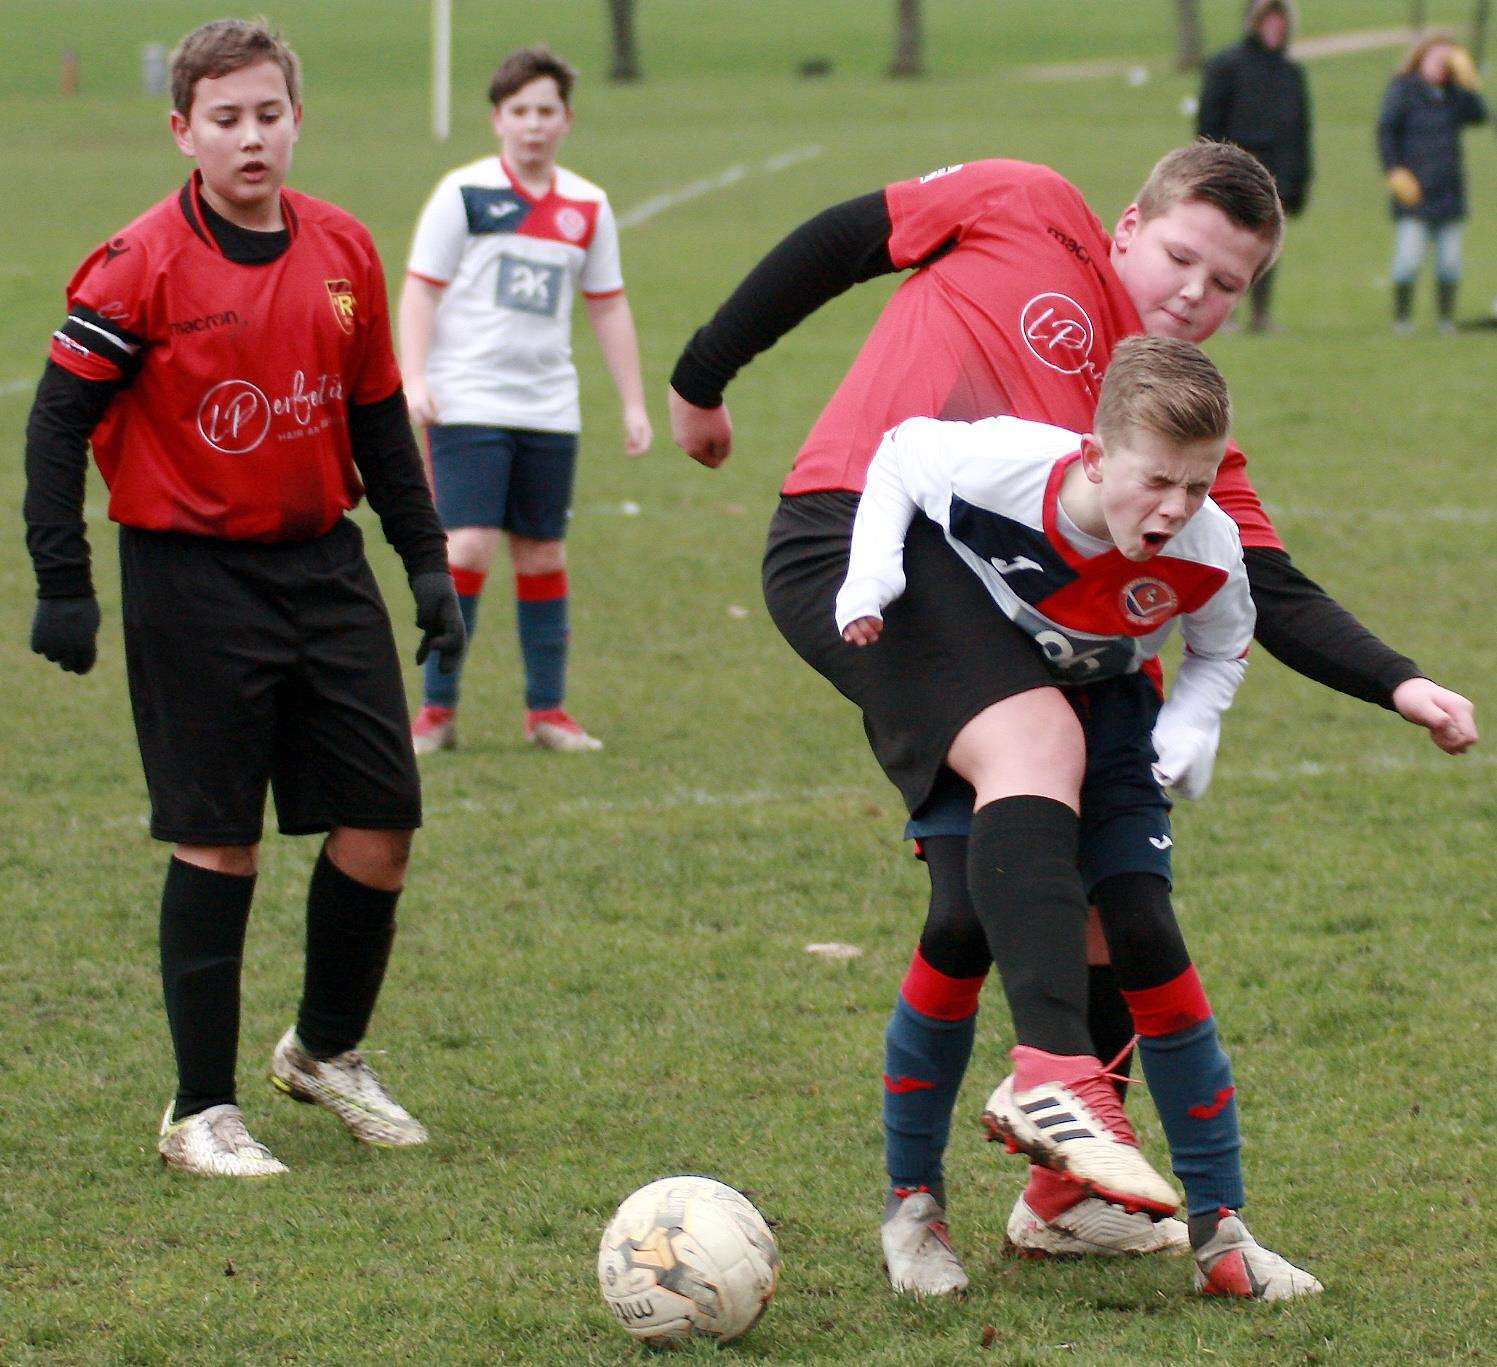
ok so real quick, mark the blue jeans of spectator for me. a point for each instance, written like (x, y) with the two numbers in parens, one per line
(1411, 240)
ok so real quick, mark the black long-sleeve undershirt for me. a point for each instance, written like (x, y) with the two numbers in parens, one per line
(1303, 627)
(825, 256)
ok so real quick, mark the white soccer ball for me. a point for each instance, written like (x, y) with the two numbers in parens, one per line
(687, 1257)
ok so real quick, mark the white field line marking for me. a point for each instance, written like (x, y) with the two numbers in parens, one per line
(1329, 45)
(686, 798)
(720, 180)
(10, 387)
(1410, 516)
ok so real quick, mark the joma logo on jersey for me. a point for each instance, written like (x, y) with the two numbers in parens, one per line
(1059, 334)
(1019, 562)
(340, 296)
(1148, 602)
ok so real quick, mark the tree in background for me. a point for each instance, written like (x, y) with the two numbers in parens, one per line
(624, 45)
(1189, 47)
(909, 39)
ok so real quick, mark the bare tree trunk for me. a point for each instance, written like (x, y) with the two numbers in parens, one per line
(1479, 31)
(1417, 15)
(909, 39)
(1189, 45)
(625, 49)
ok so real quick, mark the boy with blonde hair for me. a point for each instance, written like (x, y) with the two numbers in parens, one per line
(1092, 545)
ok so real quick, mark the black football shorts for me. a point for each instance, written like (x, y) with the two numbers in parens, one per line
(946, 652)
(257, 665)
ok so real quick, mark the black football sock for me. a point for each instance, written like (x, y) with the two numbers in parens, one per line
(203, 918)
(350, 928)
(1021, 871)
(1108, 1021)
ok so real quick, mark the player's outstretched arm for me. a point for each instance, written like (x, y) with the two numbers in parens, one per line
(1302, 626)
(825, 256)
(67, 408)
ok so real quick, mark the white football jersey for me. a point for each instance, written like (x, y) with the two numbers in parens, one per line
(512, 265)
(993, 488)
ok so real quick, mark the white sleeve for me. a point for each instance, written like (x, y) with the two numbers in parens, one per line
(1188, 730)
(603, 270)
(441, 234)
(899, 484)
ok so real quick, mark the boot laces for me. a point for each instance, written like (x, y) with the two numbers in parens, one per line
(1097, 1092)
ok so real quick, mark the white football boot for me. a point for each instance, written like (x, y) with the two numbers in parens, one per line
(917, 1248)
(347, 1086)
(1092, 1229)
(553, 728)
(434, 729)
(1080, 1131)
(1233, 1263)
(215, 1143)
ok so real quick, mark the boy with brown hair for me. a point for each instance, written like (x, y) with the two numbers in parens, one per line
(228, 355)
(1092, 545)
(502, 249)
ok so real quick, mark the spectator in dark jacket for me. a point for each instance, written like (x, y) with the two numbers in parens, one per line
(1428, 102)
(1253, 95)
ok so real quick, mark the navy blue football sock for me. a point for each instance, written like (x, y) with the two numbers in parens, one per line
(926, 1049)
(437, 688)
(203, 919)
(541, 616)
(1190, 1080)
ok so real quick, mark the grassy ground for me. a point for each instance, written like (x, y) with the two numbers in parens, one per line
(601, 977)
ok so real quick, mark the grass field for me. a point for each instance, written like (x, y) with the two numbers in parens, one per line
(601, 974)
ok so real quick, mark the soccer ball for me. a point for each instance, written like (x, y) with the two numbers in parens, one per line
(687, 1257)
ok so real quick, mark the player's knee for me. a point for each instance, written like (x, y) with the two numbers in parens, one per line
(530, 556)
(242, 861)
(1028, 744)
(472, 548)
(378, 859)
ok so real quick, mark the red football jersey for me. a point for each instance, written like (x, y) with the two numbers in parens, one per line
(1018, 317)
(235, 423)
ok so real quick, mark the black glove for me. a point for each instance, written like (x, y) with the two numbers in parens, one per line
(440, 619)
(66, 631)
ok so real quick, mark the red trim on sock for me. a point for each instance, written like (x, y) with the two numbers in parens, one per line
(469, 583)
(898, 1086)
(541, 588)
(934, 994)
(1170, 1007)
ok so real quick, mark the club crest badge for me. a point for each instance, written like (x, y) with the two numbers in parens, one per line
(340, 296)
(1148, 602)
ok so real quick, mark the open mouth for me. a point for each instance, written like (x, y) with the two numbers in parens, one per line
(1154, 541)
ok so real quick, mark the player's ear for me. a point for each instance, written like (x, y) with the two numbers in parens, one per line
(1127, 228)
(182, 134)
(1091, 457)
(296, 111)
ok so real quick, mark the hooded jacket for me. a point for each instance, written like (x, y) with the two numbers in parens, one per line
(1255, 96)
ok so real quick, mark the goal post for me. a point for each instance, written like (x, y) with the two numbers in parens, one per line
(441, 69)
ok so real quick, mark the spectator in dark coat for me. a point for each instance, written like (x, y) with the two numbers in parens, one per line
(1253, 95)
(1432, 97)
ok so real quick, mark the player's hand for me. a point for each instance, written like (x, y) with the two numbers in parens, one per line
(705, 434)
(863, 632)
(1462, 69)
(638, 434)
(1186, 757)
(440, 619)
(418, 400)
(1449, 718)
(1405, 186)
(66, 631)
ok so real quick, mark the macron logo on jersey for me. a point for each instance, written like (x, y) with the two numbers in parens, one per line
(492, 209)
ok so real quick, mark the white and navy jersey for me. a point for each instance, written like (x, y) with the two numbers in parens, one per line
(512, 265)
(993, 487)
